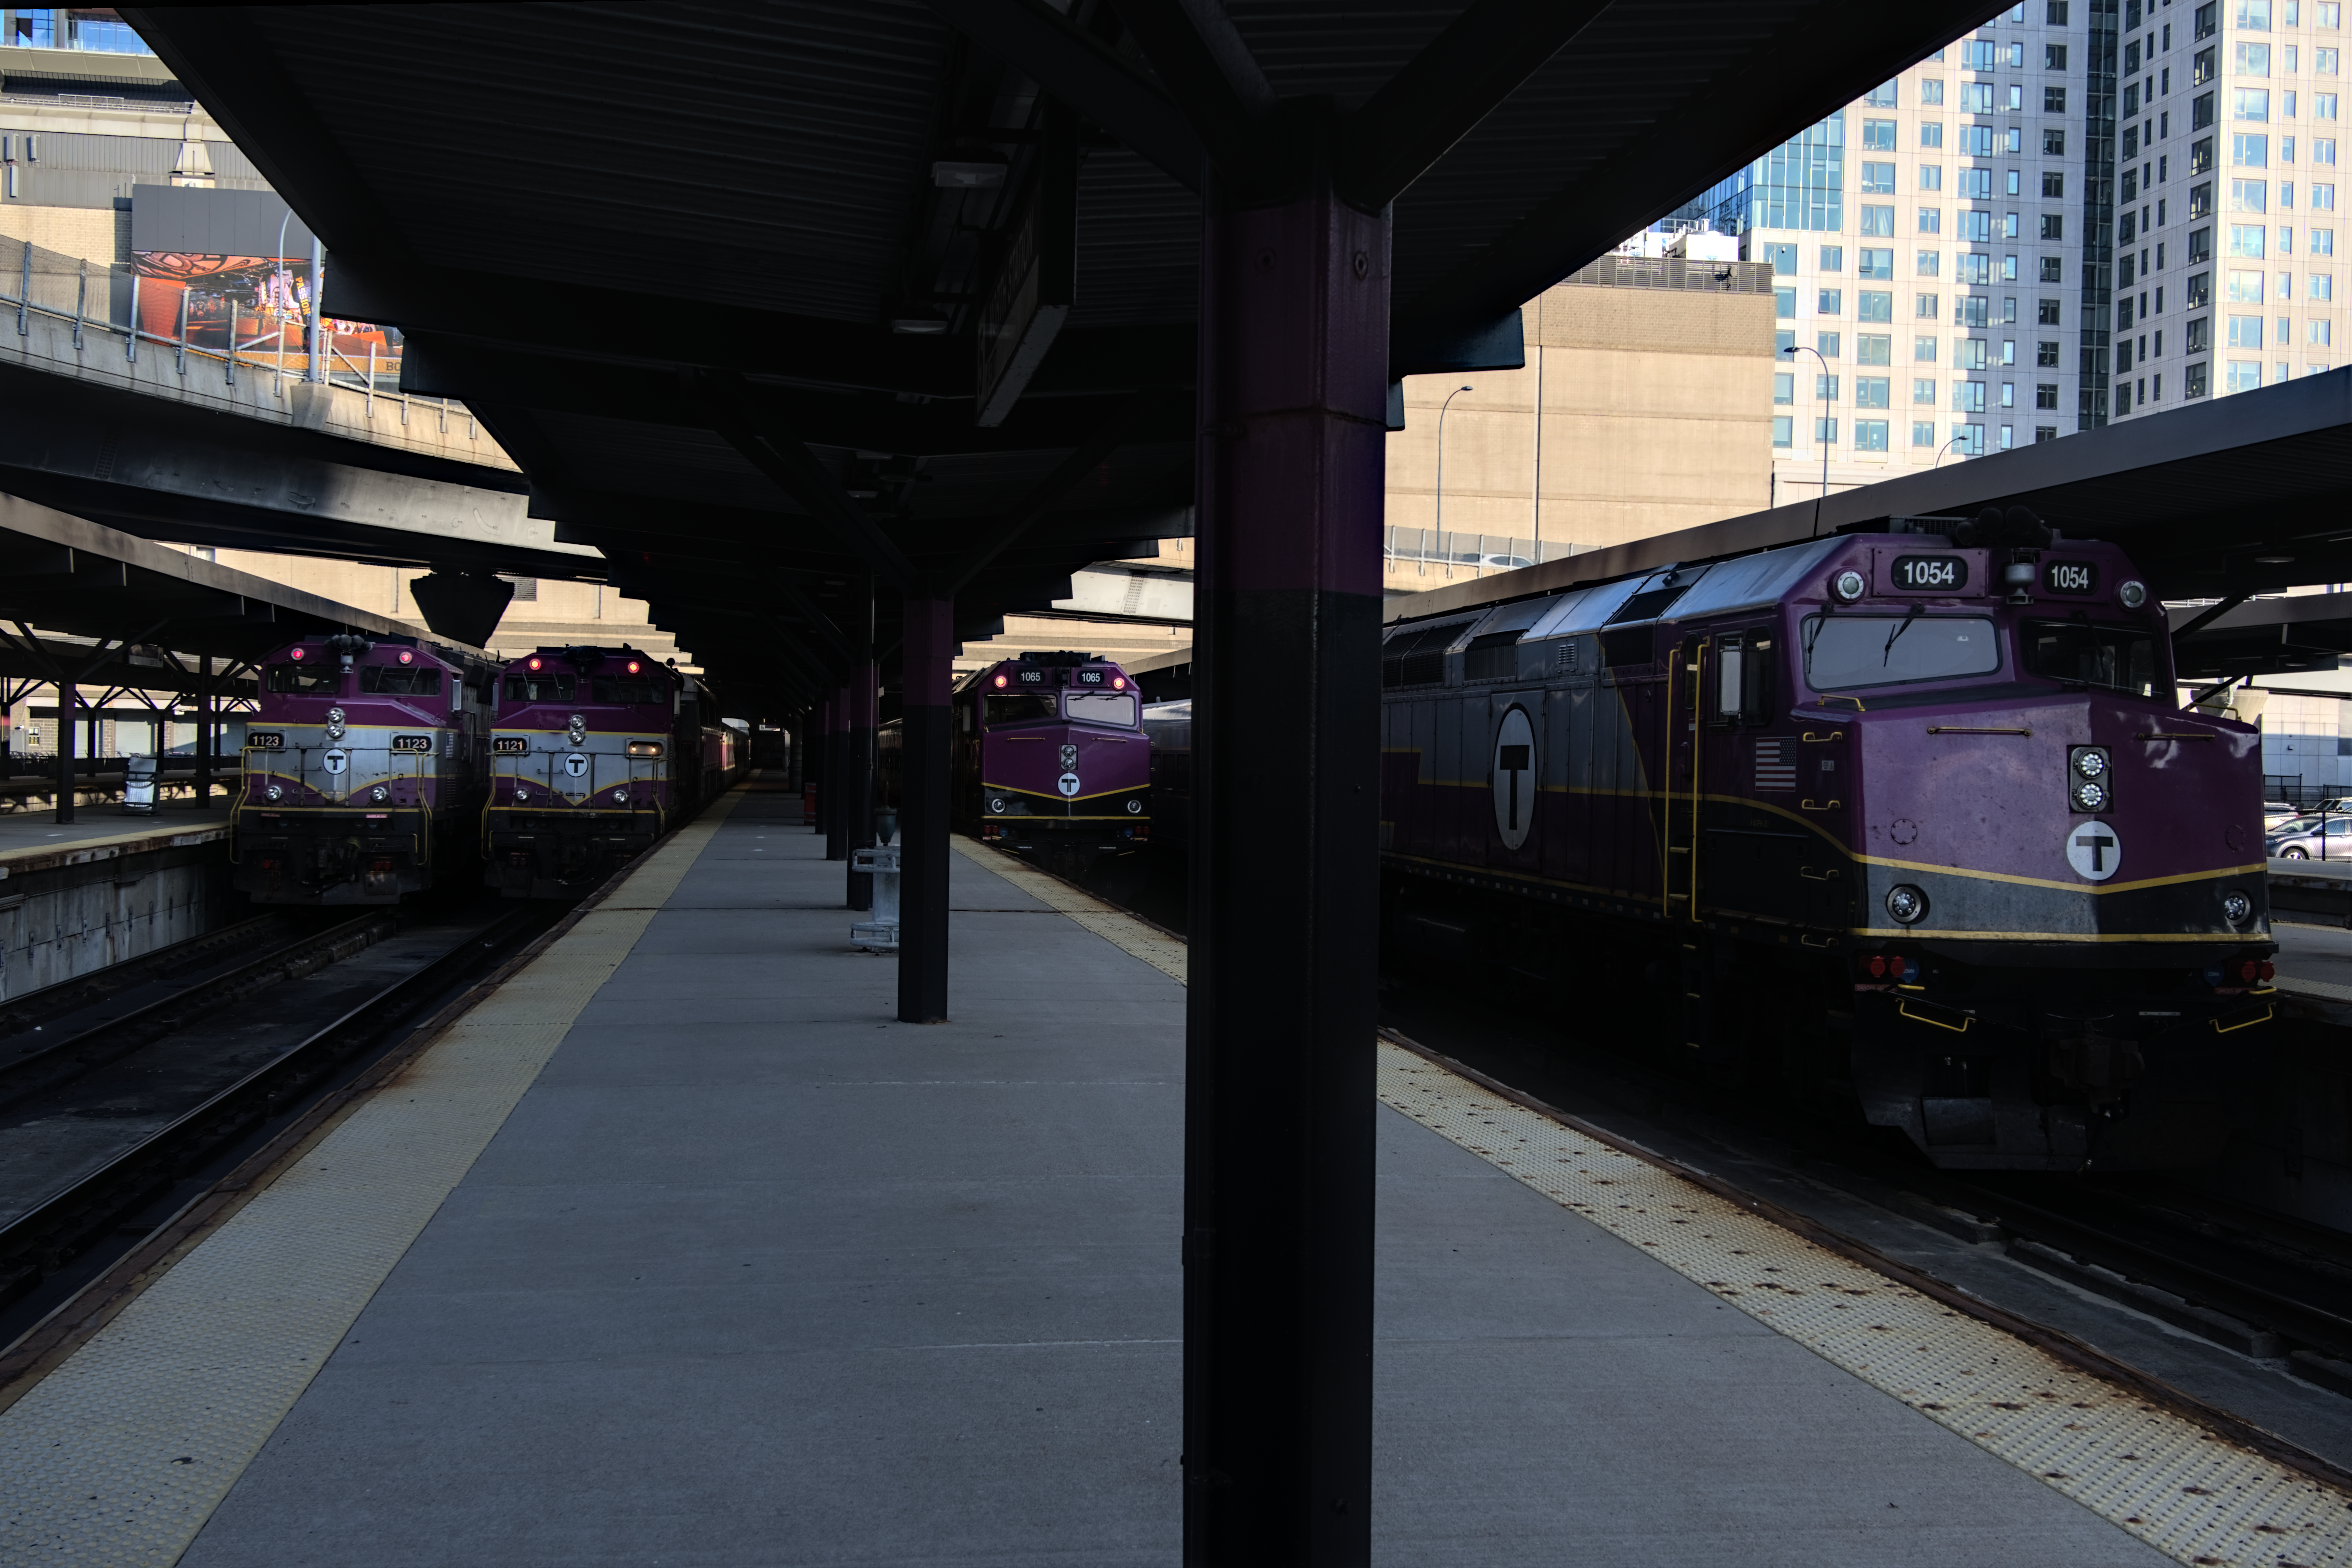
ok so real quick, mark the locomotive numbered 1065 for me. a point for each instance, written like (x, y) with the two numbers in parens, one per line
(1048, 754)
(595, 754)
(1909, 819)
(361, 771)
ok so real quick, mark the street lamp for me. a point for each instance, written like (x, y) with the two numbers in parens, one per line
(1948, 446)
(1441, 458)
(1821, 431)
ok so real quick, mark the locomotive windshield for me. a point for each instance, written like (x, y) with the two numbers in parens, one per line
(1102, 708)
(630, 688)
(544, 686)
(392, 680)
(1846, 651)
(2111, 658)
(304, 678)
(1022, 708)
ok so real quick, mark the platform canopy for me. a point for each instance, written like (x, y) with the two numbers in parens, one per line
(768, 297)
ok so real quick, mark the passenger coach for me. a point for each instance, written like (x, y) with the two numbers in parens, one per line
(1912, 819)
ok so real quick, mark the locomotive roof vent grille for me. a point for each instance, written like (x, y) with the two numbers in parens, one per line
(1417, 657)
(1658, 594)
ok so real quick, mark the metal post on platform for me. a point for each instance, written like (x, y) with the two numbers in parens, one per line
(312, 370)
(204, 733)
(924, 717)
(67, 698)
(1279, 1107)
(832, 801)
(857, 753)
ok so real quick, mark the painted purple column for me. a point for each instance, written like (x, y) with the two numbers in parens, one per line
(831, 800)
(924, 717)
(1285, 894)
(864, 717)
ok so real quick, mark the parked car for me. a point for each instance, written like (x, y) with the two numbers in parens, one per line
(2276, 812)
(2311, 838)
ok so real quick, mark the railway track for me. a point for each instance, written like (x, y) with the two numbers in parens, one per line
(108, 1122)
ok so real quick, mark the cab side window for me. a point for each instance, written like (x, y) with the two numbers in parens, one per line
(1742, 690)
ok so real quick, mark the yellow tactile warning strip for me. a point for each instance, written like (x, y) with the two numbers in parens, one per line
(121, 1453)
(1109, 921)
(2181, 1489)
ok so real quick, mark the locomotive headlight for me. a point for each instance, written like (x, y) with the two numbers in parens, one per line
(2090, 795)
(522, 793)
(379, 794)
(1135, 808)
(995, 802)
(275, 792)
(2090, 763)
(2236, 908)
(620, 797)
(2090, 778)
(1849, 585)
(1907, 903)
(2134, 594)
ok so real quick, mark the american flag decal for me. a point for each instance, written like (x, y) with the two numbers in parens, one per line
(1775, 768)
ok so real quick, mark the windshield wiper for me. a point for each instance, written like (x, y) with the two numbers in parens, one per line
(1888, 651)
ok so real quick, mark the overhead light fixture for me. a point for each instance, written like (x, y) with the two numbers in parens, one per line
(919, 326)
(2274, 559)
(967, 173)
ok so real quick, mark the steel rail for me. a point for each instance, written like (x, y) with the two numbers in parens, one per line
(61, 1225)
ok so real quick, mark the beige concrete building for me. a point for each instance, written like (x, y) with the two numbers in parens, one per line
(1653, 378)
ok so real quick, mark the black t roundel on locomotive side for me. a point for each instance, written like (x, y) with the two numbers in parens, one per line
(1512, 776)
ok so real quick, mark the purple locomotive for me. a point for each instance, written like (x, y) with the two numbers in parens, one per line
(1049, 753)
(363, 770)
(1911, 820)
(595, 753)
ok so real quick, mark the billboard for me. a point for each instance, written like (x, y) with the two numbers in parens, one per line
(219, 268)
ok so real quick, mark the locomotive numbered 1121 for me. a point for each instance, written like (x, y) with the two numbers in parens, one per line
(1909, 819)
(595, 754)
(361, 771)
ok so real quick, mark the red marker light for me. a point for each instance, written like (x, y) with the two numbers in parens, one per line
(1118, 683)
(531, 664)
(633, 667)
(407, 657)
(1000, 681)
(2269, 969)
(296, 654)
(1877, 964)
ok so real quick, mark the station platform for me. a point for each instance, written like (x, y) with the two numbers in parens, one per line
(31, 842)
(677, 1248)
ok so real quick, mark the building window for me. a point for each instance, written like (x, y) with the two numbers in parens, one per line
(2250, 59)
(1931, 90)
(1931, 176)
(1969, 396)
(1784, 304)
(1876, 263)
(1931, 133)
(2324, 62)
(2199, 334)
(2200, 245)
(1874, 348)
(2249, 196)
(1972, 311)
(2250, 103)
(1870, 434)
(2054, 186)
(1923, 393)
(2254, 16)
(2053, 269)
(1976, 226)
(2044, 433)
(2054, 14)
(1784, 386)
(1875, 305)
(2323, 106)
(1931, 220)
(2046, 395)
(2247, 239)
(1827, 343)
(2323, 287)
(1923, 431)
(2323, 242)
(1784, 342)
(2193, 381)
(1926, 306)
(1923, 350)
(1976, 184)
(2319, 334)
(1825, 432)
(2053, 227)
(2244, 375)
(2245, 288)
(1830, 303)
(1872, 392)
(2247, 152)
(2322, 150)
(2323, 198)
(2201, 290)
(2047, 312)
(2053, 56)
(2045, 354)
(1878, 135)
(1877, 222)
(1883, 96)
(1879, 179)
(1971, 353)
(1783, 430)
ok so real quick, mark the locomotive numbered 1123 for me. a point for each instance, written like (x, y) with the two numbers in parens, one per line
(1911, 819)
(361, 771)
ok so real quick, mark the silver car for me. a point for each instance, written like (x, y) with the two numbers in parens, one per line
(2311, 838)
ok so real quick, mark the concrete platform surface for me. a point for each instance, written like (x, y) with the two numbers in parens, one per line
(752, 1275)
(35, 838)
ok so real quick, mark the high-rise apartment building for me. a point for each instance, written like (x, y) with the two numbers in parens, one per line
(2226, 212)
(1941, 274)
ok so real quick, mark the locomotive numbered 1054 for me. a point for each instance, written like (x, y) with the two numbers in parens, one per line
(595, 753)
(361, 771)
(1911, 819)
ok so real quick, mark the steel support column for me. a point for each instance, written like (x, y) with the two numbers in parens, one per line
(68, 695)
(203, 733)
(1279, 1092)
(831, 800)
(925, 735)
(865, 717)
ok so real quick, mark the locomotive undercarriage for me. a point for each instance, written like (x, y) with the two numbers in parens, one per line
(2034, 1061)
(331, 857)
(565, 858)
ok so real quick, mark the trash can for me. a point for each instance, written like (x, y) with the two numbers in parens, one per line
(879, 934)
(139, 785)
